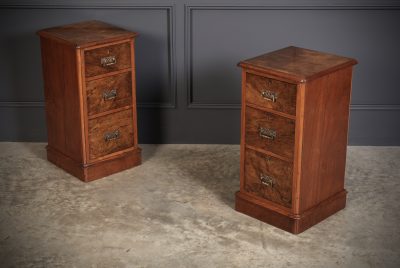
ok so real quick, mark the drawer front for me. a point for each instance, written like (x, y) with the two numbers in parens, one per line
(107, 59)
(109, 93)
(268, 177)
(110, 133)
(270, 93)
(270, 132)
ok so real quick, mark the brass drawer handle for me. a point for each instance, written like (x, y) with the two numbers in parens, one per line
(109, 136)
(110, 94)
(107, 61)
(267, 133)
(269, 95)
(266, 180)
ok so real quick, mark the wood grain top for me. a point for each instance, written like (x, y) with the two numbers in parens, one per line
(297, 64)
(87, 33)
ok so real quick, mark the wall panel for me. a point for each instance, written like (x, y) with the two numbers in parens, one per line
(188, 84)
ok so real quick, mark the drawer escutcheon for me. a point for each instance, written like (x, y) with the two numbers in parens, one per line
(266, 180)
(267, 133)
(109, 94)
(109, 136)
(269, 95)
(107, 61)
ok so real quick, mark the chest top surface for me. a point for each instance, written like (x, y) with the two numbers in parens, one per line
(297, 63)
(86, 33)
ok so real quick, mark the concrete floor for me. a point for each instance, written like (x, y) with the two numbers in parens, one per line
(176, 210)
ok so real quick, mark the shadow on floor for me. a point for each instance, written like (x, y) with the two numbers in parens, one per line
(215, 167)
(37, 149)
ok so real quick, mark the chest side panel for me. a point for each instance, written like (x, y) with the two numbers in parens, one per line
(325, 130)
(62, 96)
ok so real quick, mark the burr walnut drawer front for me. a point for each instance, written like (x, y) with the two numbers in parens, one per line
(110, 133)
(107, 59)
(270, 132)
(109, 93)
(268, 177)
(270, 93)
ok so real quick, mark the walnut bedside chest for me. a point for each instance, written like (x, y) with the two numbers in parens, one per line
(89, 85)
(295, 111)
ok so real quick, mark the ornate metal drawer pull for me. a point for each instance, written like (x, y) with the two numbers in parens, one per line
(269, 95)
(267, 133)
(266, 180)
(109, 136)
(110, 94)
(107, 61)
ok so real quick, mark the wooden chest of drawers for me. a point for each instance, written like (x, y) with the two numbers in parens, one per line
(295, 110)
(89, 84)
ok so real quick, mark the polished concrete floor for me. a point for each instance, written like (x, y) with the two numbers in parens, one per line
(176, 210)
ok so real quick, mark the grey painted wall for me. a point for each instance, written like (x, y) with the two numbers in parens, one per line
(188, 84)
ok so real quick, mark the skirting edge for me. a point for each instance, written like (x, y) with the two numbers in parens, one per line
(98, 170)
(293, 223)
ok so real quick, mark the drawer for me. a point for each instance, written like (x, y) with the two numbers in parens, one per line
(268, 177)
(270, 93)
(107, 59)
(270, 132)
(110, 133)
(109, 93)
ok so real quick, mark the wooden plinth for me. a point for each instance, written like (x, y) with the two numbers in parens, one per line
(90, 172)
(289, 222)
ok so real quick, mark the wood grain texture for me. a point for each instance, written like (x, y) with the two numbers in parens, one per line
(297, 64)
(82, 104)
(312, 138)
(293, 223)
(285, 92)
(282, 144)
(99, 93)
(112, 165)
(242, 131)
(326, 115)
(62, 97)
(121, 123)
(93, 57)
(87, 33)
(298, 148)
(53, 93)
(321, 211)
(252, 207)
(91, 135)
(133, 88)
(84, 107)
(96, 170)
(61, 160)
(281, 173)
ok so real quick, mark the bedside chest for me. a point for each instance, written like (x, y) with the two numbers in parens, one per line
(89, 85)
(295, 111)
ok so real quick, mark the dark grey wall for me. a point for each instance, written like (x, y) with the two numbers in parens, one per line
(188, 84)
